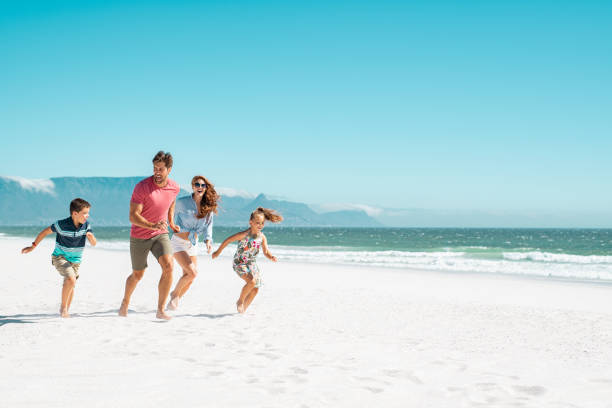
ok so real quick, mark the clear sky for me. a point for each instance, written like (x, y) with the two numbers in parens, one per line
(444, 105)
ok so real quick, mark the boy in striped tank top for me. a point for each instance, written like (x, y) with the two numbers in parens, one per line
(69, 244)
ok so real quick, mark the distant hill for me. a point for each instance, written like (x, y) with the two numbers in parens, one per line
(236, 211)
(40, 202)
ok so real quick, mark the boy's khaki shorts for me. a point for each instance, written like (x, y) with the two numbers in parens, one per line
(139, 249)
(65, 268)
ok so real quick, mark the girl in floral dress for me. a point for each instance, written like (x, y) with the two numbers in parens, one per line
(245, 262)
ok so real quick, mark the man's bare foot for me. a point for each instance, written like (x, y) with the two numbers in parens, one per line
(240, 307)
(173, 303)
(162, 315)
(123, 310)
(64, 313)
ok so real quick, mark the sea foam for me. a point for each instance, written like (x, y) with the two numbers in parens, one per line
(529, 263)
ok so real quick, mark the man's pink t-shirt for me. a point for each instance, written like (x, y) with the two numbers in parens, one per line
(155, 202)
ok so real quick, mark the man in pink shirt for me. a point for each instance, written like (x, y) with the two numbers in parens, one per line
(151, 211)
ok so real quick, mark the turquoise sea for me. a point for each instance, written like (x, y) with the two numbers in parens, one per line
(584, 254)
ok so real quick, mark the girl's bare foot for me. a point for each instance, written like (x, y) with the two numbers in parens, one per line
(240, 307)
(162, 315)
(64, 313)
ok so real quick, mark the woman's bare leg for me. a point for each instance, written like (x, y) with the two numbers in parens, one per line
(194, 262)
(188, 264)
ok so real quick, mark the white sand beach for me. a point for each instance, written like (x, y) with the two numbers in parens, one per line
(316, 335)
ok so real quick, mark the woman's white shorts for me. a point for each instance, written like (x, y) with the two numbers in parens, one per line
(180, 244)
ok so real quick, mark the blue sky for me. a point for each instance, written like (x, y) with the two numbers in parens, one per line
(490, 106)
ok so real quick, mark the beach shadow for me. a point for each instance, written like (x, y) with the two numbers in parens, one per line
(208, 316)
(7, 321)
(35, 318)
(112, 313)
(25, 318)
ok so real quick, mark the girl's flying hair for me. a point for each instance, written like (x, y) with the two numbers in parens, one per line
(268, 214)
(209, 201)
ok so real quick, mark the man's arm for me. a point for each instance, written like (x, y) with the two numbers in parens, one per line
(174, 227)
(137, 219)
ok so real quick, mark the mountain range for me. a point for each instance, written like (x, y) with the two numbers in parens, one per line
(40, 202)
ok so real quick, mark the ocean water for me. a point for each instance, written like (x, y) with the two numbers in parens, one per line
(582, 254)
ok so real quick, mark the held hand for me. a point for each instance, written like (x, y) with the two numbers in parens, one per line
(175, 228)
(215, 254)
(272, 258)
(160, 225)
(208, 247)
(27, 250)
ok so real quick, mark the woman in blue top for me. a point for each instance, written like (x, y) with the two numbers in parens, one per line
(193, 216)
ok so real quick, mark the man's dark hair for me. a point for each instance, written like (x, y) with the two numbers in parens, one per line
(78, 204)
(165, 157)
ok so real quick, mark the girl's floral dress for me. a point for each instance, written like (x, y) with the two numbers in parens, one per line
(245, 259)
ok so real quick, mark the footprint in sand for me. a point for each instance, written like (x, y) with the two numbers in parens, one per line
(534, 390)
(269, 356)
(403, 374)
(484, 393)
(276, 390)
(371, 384)
(299, 375)
(296, 379)
(486, 386)
(298, 370)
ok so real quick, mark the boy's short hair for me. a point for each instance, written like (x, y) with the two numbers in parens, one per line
(78, 204)
(165, 157)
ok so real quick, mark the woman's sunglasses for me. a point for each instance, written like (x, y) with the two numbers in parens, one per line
(198, 185)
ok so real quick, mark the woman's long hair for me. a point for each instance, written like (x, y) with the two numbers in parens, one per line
(210, 199)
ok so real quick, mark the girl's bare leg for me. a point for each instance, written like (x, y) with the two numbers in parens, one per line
(246, 289)
(249, 298)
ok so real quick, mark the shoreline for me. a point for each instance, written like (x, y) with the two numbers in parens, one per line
(313, 261)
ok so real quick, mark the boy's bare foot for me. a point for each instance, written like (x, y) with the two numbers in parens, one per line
(123, 310)
(173, 303)
(162, 315)
(64, 313)
(240, 307)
